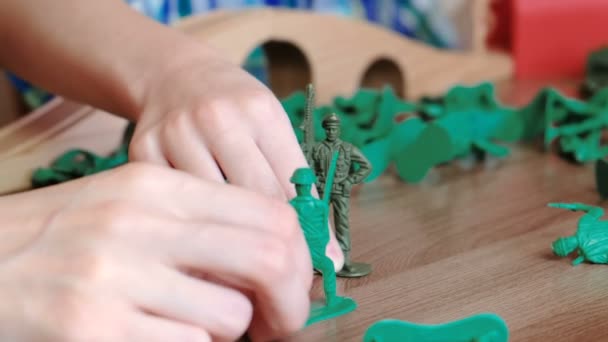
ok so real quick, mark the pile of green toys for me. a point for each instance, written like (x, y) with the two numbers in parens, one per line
(416, 136)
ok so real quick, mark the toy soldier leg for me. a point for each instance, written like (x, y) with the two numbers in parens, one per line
(341, 214)
(324, 264)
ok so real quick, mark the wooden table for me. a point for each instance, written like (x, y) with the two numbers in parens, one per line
(475, 240)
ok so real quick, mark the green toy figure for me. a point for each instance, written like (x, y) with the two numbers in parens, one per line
(352, 168)
(313, 216)
(591, 238)
(484, 327)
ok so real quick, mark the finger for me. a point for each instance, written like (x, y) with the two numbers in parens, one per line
(145, 327)
(334, 252)
(279, 146)
(253, 260)
(250, 259)
(146, 147)
(185, 150)
(150, 185)
(220, 311)
(244, 164)
(198, 201)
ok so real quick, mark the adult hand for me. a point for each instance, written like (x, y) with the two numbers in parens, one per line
(111, 257)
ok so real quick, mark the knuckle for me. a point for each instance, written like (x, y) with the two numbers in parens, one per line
(234, 325)
(176, 124)
(89, 266)
(72, 316)
(285, 221)
(114, 217)
(138, 177)
(263, 106)
(295, 323)
(259, 99)
(141, 145)
(215, 117)
(274, 259)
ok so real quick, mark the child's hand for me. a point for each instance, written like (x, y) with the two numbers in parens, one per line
(111, 257)
(208, 117)
(212, 119)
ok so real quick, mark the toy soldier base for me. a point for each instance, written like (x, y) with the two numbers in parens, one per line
(320, 311)
(354, 269)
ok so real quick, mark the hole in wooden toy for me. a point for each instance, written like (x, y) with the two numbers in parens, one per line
(288, 69)
(384, 72)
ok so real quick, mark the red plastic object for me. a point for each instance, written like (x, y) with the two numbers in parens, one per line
(552, 38)
(499, 35)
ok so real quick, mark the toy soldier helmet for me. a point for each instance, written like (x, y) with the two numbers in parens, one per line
(303, 176)
(564, 246)
(331, 119)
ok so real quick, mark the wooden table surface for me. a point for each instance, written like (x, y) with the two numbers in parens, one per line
(475, 239)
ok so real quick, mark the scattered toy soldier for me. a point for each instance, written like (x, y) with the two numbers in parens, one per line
(352, 168)
(591, 238)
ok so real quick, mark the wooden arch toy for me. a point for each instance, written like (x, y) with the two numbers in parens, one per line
(339, 51)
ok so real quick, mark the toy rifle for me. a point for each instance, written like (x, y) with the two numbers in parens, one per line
(330, 179)
(307, 126)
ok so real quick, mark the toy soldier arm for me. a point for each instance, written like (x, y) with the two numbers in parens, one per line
(330, 179)
(592, 211)
(578, 260)
(592, 123)
(365, 167)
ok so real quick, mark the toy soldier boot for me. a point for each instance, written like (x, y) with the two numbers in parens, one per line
(353, 269)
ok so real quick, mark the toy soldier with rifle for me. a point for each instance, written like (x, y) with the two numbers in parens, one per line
(313, 217)
(352, 168)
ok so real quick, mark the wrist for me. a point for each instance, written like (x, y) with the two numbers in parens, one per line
(171, 70)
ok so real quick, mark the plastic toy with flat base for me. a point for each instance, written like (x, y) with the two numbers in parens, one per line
(352, 168)
(313, 217)
(591, 238)
(485, 327)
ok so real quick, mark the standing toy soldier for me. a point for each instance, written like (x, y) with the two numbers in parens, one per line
(313, 216)
(352, 168)
(591, 238)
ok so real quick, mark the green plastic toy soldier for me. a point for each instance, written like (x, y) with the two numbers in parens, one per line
(352, 168)
(591, 238)
(313, 217)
